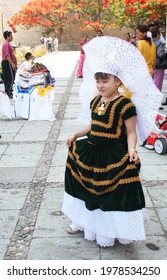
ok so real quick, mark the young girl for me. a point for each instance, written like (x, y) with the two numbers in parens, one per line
(103, 194)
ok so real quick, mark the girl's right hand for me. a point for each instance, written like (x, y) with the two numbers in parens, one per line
(70, 139)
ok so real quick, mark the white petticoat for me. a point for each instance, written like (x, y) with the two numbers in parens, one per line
(104, 226)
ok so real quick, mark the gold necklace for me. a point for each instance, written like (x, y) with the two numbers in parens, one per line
(103, 103)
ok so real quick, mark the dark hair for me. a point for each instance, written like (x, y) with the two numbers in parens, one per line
(155, 31)
(6, 34)
(128, 34)
(99, 31)
(151, 24)
(104, 76)
(144, 29)
(28, 55)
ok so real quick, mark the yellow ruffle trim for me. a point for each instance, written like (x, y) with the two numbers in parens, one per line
(43, 91)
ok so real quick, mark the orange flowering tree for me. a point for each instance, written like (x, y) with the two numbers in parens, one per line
(96, 14)
(51, 15)
(143, 11)
(55, 15)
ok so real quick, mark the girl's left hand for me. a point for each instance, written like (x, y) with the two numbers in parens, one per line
(133, 155)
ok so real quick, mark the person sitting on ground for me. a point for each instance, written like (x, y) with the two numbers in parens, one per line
(24, 66)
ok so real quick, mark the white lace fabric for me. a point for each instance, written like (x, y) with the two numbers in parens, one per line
(117, 57)
(104, 226)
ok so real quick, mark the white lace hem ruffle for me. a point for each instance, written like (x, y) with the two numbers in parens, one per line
(104, 226)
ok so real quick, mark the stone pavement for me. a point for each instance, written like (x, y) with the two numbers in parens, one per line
(32, 164)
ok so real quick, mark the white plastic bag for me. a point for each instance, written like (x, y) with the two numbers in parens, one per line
(5, 107)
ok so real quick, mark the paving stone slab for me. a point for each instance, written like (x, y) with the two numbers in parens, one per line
(59, 159)
(63, 249)
(3, 245)
(45, 129)
(154, 172)
(26, 149)
(151, 223)
(61, 147)
(137, 250)
(21, 160)
(158, 195)
(12, 198)
(12, 125)
(162, 214)
(35, 124)
(7, 137)
(3, 148)
(147, 198)
(74, 100)
(73, 122)
(51, 223)
(71, 115)
(75, 89)
(74, 108)
(52, 199)
(31, 136)
(59, 93)
(56, 174)
(13, 174)
(8, 219)
(153, 157)
(143, 150)
(55, 108)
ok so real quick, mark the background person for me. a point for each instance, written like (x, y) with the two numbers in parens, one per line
(146, 46)
(9, 63)
(155, 24)
(128, 38)
(49, 43)
(99, 33)
(43, 41)
(24, 66)
(159, 70)
(82, 56)
(56, 43)
(131, 41)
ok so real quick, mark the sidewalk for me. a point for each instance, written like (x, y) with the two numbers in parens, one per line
(32, 164)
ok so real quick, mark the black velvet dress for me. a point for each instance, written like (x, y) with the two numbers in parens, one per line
(98, 170)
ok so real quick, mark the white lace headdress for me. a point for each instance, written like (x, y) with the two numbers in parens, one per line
(120, 58)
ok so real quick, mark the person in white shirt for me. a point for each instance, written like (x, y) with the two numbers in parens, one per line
(24, 66)
(56, 42)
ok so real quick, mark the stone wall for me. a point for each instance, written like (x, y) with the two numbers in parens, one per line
(70, 37)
